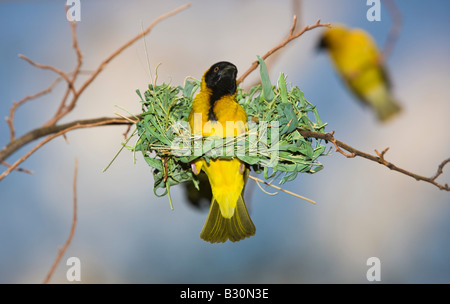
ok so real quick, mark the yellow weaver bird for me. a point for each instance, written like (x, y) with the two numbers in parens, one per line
(213, 107)
(358, 61)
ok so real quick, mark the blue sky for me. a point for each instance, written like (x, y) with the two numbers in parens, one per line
(125, 234)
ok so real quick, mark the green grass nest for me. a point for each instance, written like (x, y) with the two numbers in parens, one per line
(167, 145)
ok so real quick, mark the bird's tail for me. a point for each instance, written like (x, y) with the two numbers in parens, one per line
(387, 110)
(384, 105)
(218, 229)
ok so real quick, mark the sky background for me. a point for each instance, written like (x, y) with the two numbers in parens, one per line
(125, 234)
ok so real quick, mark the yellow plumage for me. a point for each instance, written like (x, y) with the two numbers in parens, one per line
(216, 103)
(358, 61)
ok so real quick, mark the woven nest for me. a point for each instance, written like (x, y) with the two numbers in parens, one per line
(273, 144)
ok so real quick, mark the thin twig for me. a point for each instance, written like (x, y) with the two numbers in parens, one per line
(17, 169)
(333, 141)
(63, 109)
(126, 118)
(61, 251)
(440, 170)
(294, 23)
(10, 119)
(16, 105)
(266, 192)
(46, 67)
(297, 11)
(281, 189)
(381, 156)
(282, 44)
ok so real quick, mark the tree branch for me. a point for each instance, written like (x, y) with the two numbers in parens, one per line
(297, 22)
(379, 158)
(17, 169)
(291, 37)
(55, 130)
(16, 105)
(63, 109)
(340, 146)
(47, 67)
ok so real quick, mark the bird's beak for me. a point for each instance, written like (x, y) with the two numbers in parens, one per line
(229, 71)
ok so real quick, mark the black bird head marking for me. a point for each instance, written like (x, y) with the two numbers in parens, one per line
(221, 80)
(322, 44)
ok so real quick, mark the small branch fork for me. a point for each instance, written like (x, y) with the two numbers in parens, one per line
(334, 142)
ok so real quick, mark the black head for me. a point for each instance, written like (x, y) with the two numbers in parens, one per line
(333, 38)
(322, 44)
(221, 78)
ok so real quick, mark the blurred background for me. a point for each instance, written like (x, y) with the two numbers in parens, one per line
(125, 234)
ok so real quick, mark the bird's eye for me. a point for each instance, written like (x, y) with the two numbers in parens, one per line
(216, 69)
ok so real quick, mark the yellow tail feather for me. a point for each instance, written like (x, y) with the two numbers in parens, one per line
(382, 102)
(219, 229)
(389, 109)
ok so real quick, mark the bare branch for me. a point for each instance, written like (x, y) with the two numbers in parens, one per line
(17, 169)
(16, 105)
(258, 180)
(297, 6)
(61, 129)
(294, 24)
(379, 159)
(440, 171)
(46, 67)
(282, 44)
(381, 156)
(296, 10)
(333, 141)
(72, 228)
(62, 106)
(10, 119)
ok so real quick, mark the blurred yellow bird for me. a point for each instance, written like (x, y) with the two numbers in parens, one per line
(358, 61)
(213, 107)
